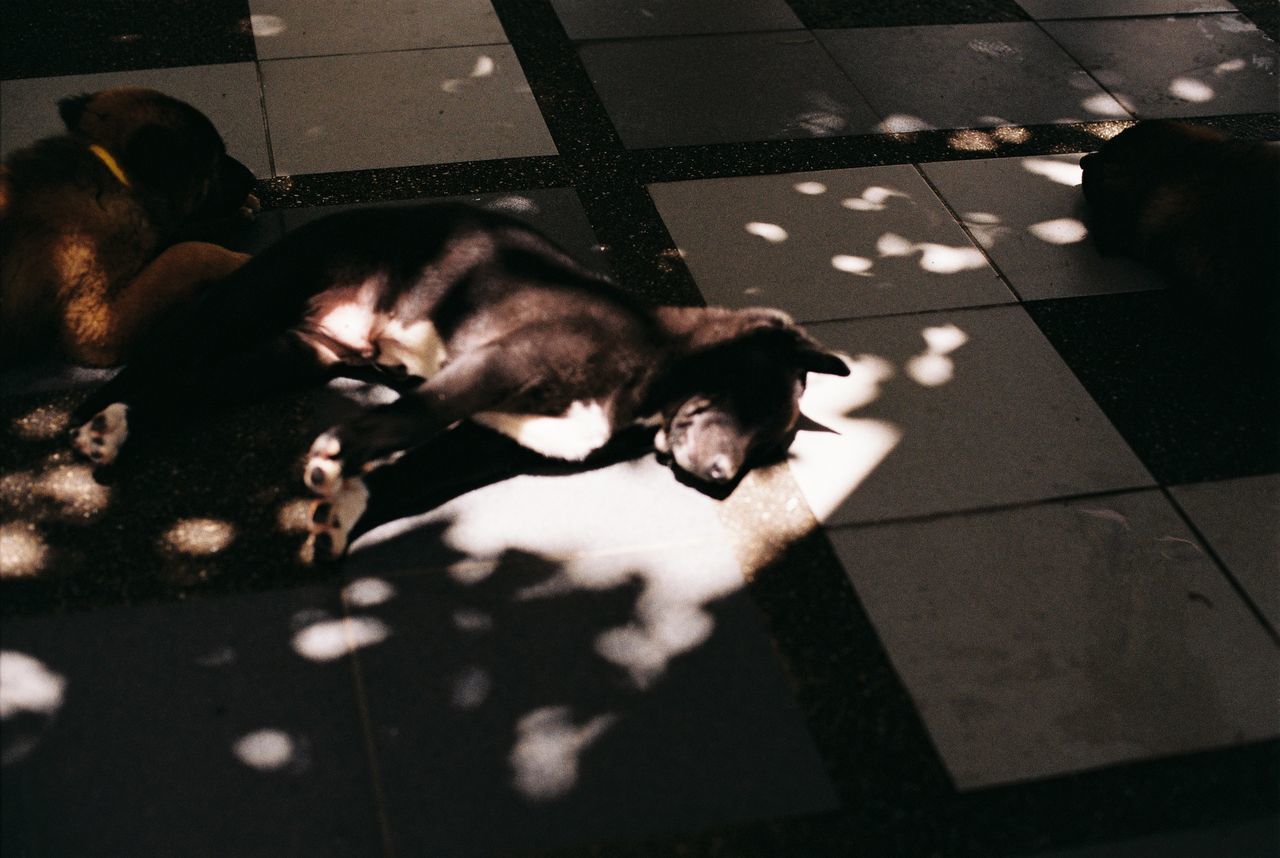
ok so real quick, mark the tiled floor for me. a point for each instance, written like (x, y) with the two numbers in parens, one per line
(1015, 595)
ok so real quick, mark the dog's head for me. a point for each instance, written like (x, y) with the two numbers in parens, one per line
(1120, 180)
(166, 147)
(737, 400)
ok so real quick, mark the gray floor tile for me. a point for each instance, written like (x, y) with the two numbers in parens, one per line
(558, 701)
(555, 211)
(1201, 65)
(1044, 10)
(306, 28)
(826, 245)
(228, 94)
(724, 89)
(199, 729)
(397, 109)
(1064, 637)
(614, 19)
(1029, 215)
(967, 76)
(951, 411)
(1240, 519)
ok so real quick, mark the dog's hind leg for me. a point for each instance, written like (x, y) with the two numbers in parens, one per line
(467, 385)
(101, 330)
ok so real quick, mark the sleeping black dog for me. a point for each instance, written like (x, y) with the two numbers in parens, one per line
(470, 315)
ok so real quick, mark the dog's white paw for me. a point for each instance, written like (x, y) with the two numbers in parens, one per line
(323, 471)
(331, 519)
(101, 438)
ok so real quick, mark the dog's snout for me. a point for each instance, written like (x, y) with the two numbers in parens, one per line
(721, 469)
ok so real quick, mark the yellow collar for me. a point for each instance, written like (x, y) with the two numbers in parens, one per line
(114, 166)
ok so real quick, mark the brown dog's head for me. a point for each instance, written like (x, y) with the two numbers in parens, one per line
(168, 150)
(1121, 178)
(737, 398)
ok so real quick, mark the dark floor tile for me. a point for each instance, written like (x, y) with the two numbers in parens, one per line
(870, 13)
(198, 729)
(1193, 403)
(613, 19)
(41, 39)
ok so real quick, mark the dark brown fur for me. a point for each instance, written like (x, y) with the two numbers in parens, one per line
(89, 262)
(1200, 208)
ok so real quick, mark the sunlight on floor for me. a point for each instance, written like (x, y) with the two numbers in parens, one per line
(199, 536)
(548, 745)
(23, 551)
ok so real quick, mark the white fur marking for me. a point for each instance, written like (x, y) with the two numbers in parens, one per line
(344, 508)
(572, 436)
(416, 346)
(349, 324)
(103, 445)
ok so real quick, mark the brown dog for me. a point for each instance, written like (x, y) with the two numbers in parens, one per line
(1200, 208)
(96, 224)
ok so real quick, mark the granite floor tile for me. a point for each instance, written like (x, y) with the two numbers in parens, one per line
(1047, 10)
(228, 94)
(210, 728)
(620, 19)
(1064, 637)
(1240, 519)
(724, 89)
(1201, 65)
(550, 702)
(1028, 214)
(967, 76)
(826, 245)
(290, 28)
(951, 411)
(395, 109)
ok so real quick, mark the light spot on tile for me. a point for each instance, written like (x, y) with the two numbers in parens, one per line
(199, 536)
(1062, 172)
(1190, 89)
(23, 551)
(42, 424)
(545, 756)
(902, 123)
(1101, 104)
(858, 265)
(366, 592)
(1063, 230)
(1232, 65)
(994, 48)
(770, 232)
(811, 188)
(28, 685)
(327, 640)
(265, 26)
(484, 67)
(266, 750)
(471, 689)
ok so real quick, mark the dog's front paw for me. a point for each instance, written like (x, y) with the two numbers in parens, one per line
(323, 471)
(101, 438)
(331, 519)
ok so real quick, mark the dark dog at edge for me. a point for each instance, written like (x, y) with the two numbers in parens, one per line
(471, 315)
(1200, 208)
(102, 228)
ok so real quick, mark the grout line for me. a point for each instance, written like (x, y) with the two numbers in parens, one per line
(266, 119)
(1223, 568)
(925, 518)
(366, 729)
(377, 52)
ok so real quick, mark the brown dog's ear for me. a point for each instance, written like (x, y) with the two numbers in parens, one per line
(817, 360)
(72, 108)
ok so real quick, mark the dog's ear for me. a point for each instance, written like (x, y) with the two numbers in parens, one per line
(815, 359)
(72, 108)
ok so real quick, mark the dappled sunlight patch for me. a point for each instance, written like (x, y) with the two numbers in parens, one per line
(548, 744)
(810, 189)
(70, 486)
(902, 123)
(934, 258)
(472, 621)
(972, 140)
(1063, 230)
(329, 639)
(935, 367)
(294, 514)
(666, 627)
(484, 67)
(367, 592)
(858, 265)
(266, 750)
(514, 204)
(265, 26)
(201, 537)
(770, 232)
(1062, 172)
(1106, 130)
(470, 688)
(985, 228)
(1190, 89)
(23, 551)
(1012, 134)
(42, 424)
(830, 465)
(1102, 104)
(27, 685)
(1228, 66)
(873, 199)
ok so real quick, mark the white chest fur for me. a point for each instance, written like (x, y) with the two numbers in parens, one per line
(574, 435)
(416, 346)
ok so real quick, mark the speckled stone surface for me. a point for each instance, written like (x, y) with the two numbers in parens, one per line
(1189, 413)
